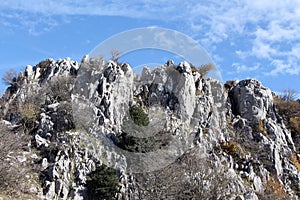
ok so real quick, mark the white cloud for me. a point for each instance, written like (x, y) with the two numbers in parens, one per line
(295, 51)
(241, 68)
(133, 8)
(269, 28)
(261, 49)
(284, 67)
(242, 54)
(277, 31)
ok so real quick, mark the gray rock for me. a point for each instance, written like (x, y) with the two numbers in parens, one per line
(44, 163)
(250, 195)
(41, 142)
(184, 67)
(258, 186)
(196, 113)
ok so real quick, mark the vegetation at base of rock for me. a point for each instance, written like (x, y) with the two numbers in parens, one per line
(189, 177)
(102, 183)
(139, 116)
(12, 172)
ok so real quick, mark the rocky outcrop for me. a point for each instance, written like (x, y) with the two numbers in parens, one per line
(83, 120)
(262, 133)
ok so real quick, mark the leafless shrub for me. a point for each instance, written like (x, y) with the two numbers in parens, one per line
(59, 88)
(190, 177)
(288, 95)
(115, 54)
(10, 77)
(204, 69)
(12, 171)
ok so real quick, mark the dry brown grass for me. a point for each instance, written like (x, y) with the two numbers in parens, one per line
(261, 128)
(288, 108)
(295, 124)
(295, 161)
(274, 190)
(230, 148)
(290, 111)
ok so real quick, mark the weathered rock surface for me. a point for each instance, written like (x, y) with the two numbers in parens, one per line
(83, 114)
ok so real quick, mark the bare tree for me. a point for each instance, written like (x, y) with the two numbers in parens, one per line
(288, 95)
(115, 54)
(10, 77)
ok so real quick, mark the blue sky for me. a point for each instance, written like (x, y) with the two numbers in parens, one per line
(249, 38)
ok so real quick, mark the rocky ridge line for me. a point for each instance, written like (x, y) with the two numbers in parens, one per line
(198, 112)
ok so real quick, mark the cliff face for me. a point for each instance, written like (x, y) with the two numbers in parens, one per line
(196, 135)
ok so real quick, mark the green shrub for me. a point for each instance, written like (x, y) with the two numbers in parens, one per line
(138, 116)
(102, 183)
(142, 145)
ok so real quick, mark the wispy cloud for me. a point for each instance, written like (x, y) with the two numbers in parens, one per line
(242, 68)
(270, 28)
(284, 67)
(33, 23)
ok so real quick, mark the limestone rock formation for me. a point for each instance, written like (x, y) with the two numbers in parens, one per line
(226, 140)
